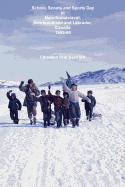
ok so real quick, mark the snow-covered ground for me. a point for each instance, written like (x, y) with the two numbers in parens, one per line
(92, 155)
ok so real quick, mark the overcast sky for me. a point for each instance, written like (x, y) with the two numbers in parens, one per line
(22, 42)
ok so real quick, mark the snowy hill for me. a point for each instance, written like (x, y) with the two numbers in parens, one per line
(9, 84)
(111, 76)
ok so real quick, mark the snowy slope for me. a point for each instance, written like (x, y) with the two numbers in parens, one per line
(113, 75)
(92, 155)
(9, 84)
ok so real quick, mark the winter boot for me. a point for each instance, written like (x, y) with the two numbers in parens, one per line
(58, 124)
(34, 120)
(31, 121)
(45, 126)
(73, 122)
(90, 118)
(77, 122)
(65, 122)
(57, 127)
(16, 121)
(87, 117)
(48, 123)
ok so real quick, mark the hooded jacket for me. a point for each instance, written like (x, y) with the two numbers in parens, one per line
(14, 104)
(29, 99)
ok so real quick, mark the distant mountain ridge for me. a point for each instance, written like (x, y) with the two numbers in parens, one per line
(113, 75)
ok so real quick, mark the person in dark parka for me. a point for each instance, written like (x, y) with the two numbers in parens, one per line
(45, 102)
(89, 106)
(14, 106)
(29, 101)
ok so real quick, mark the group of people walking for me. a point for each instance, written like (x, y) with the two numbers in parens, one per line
(66, 107)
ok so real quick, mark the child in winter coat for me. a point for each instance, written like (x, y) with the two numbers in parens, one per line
(57, 106)
(66, 108)
(14, 106)
(74, 95)
(45, 102)
(89, 106)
